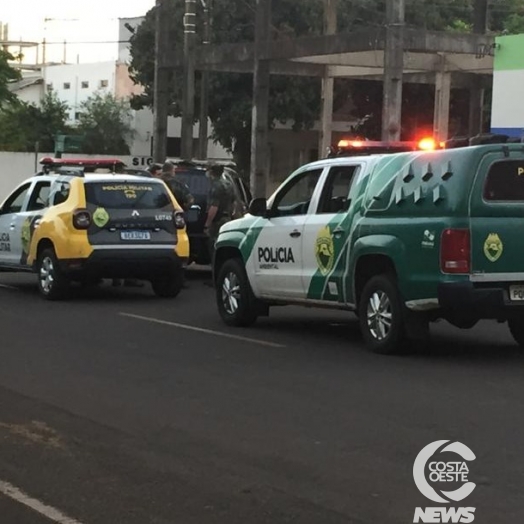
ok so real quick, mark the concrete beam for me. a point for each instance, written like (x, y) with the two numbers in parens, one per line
(415, 41)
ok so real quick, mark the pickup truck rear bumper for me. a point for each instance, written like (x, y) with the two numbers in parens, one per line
(486, 300)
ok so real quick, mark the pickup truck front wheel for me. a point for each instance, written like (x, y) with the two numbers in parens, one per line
(381, 316)
(236, 302)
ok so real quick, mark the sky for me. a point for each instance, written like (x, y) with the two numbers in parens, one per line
(73, 21)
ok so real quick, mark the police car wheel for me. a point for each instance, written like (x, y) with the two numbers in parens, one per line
(169, 286)
(381, 316)
(235, 300)
(516, 329)
(52, 284)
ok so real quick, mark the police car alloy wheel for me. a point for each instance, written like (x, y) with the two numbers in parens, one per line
(235, 300)
(51, 282)
(381, 316)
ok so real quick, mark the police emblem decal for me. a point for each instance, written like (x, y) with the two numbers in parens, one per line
(325, 251)
(493, 247)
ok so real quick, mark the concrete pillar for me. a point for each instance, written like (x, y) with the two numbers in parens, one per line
(204, 90)
(442, 101)
(259, 172)
(393, 70)
(328, 83)
(188, 96)
(476, 108)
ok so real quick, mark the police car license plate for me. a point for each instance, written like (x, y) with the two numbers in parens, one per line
(135, 235)
(516, 292)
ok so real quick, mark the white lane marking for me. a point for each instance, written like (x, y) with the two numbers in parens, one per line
(47, 511)
(203, 330)
(5, 286)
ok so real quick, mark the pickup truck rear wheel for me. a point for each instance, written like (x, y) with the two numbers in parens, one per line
(381, 316)
(516, 329)
(236, 302)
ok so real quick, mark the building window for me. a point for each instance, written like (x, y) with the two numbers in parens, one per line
(67, 85)
(49, 87)
(104, 83)
(77, 115)
(85, 84)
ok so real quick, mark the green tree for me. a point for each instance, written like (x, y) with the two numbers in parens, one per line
(22, 125)
(105, 124)
(7, 74)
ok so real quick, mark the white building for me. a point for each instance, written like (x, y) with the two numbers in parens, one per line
(75, 83)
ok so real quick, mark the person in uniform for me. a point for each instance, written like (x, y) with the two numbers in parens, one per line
(179, 189)
(221, 200)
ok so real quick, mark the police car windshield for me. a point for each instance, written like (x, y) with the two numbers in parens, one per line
(115, 195)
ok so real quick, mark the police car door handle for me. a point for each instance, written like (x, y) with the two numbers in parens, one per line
(338, 231)
(296, 233)
(12, 226)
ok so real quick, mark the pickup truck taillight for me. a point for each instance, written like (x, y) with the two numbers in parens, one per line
(455, 253)
(81, 219)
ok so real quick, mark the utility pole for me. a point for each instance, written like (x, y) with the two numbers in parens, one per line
(393, 70)
(161, 93)
(328, 82)
(204, 88)
(188, 98)
(260, 122)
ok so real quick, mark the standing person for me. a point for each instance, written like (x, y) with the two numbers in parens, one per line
(219, 207)
(178, 188)
(155, 170)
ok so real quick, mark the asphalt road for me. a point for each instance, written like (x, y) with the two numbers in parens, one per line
(114, 409)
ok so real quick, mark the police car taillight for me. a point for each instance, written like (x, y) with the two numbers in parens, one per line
(179, 220)
(81, 218)
(455, 252)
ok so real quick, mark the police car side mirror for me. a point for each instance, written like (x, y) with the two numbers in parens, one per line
(258, 207)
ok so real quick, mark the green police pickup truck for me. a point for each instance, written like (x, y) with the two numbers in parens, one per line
(401, 239)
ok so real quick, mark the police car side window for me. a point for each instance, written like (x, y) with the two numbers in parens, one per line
(335, 195)
(295, 197)
(15, 202)
(39, 197)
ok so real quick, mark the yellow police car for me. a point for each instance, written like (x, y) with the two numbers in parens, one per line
(74, 223)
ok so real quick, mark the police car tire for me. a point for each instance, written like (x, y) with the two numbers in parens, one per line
(396, 341)
(516, 329)
(60, 282)
(170, 285)
(247, 312)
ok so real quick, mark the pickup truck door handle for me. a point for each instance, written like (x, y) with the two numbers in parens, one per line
(12, 226)
(338, 232)
(296, 233)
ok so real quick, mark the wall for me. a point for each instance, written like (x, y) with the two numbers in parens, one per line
(507, 114)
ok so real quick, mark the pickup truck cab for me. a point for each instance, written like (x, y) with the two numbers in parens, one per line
(400, 239)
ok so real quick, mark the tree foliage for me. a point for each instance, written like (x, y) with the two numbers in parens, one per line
(105, 124)
(297, 99)
(22, 125)
(7, 74)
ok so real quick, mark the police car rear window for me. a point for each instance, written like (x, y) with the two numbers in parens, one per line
(505, 181)
(114, 195)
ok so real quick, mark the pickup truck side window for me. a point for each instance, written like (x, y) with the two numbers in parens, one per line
(335, 195)
(15, 202)
(505, 181)
(295, 197)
